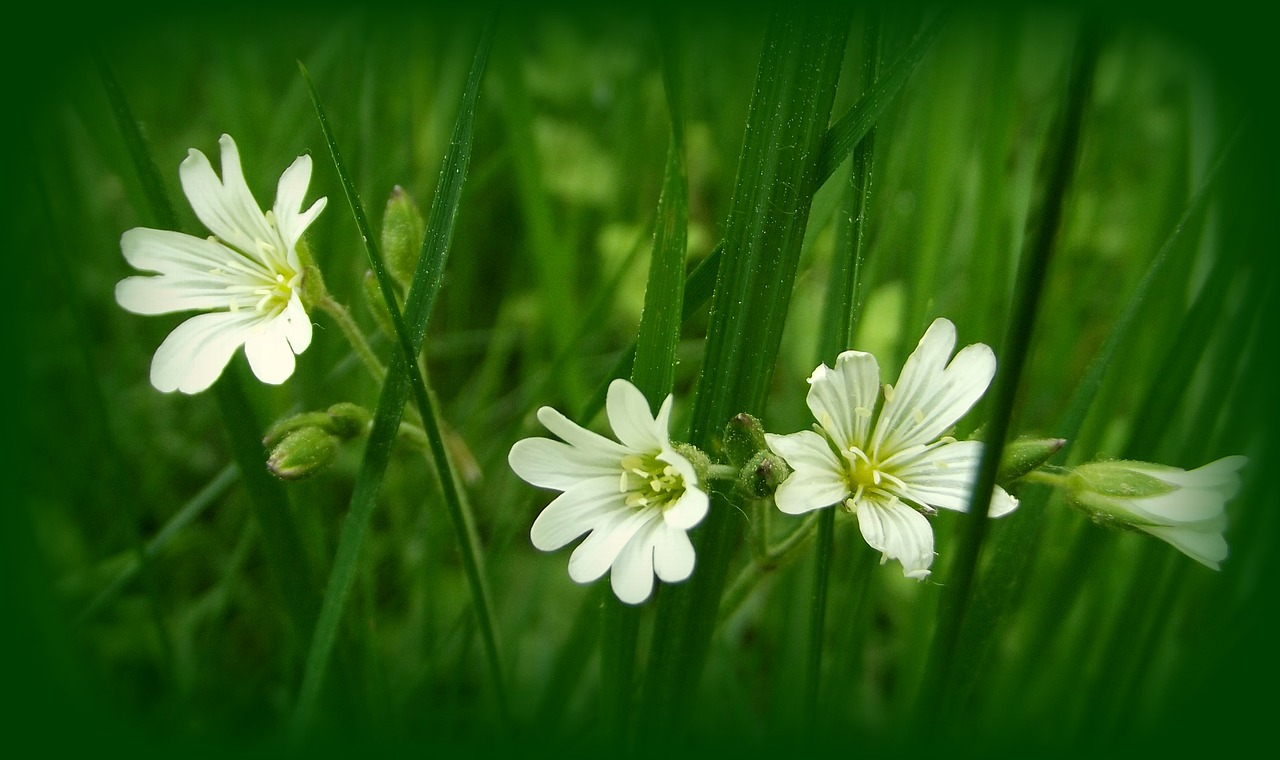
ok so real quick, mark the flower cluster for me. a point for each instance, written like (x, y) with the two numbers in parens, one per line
(247, 276)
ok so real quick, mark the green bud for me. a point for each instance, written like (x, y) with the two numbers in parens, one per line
(302, 453)
(348, 420)
(1024, 455)
(402, 233)
(283, 427)
(762, 474)
(377, 304)
(313, 289)
(700, 461)
(743, 439)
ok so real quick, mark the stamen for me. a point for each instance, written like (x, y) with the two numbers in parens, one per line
(888, 392)
(918, 414)
(862, 411)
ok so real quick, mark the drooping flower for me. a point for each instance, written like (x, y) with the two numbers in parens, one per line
(246, 277)
(1185, 508)
(637, 496)
(893, 468)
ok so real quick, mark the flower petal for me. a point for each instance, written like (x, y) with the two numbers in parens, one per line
(176, 253)
(594, 555)
(1207, 547)
(673, 556)
(632, 573)
(931, 397)
(196, 352)
(225, 206)
(270, 356)
(574, 512)
(163, 294)
(297, 324)
(942, 476)
(817, 479)
(551, 464)
(843, 399)
(578, 436)
(688, 510)
(631, 420)
(900, 532)
(291, 191)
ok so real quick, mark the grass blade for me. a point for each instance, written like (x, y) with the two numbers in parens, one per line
(402, 375)
(777, 176)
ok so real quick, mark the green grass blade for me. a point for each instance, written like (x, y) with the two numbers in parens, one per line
(777, 176)
(653, 370)
(402, 375)
(937, 688)
(839, 325)
(194, 507)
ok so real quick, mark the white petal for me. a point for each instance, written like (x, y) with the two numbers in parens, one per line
(594, 555)
(176, 253)
(581, 438)
(900, 532)
(290, 193)
(1207, 547)
(1002, 503)
(297, 324)
(1185, 505)
(1221, 475)
(574, 512)
(941, 475)
(631, 420)
(632, 573)
(269, 354)
(226, 207)
(551, 464)
(163, 295)
(673, 555)
(688, 510)
(197, 351)
(843, 399)
(929, 397)
(817, 479)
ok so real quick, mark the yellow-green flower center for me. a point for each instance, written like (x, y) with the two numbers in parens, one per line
(649, 482)
(864, 474)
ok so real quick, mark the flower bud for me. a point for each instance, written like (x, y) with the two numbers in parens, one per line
(762, 474)
(303, 453)
(348, 420)
(402, 233)
(1183, 508)
(1024, 455)
(743, 439)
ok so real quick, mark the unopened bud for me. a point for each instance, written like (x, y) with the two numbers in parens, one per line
(762, 474)
(402, 233)
(743, 439)
(348, 420)
(302, 453)
(1024, 455)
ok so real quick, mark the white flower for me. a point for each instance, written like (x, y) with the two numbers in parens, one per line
(246, 276)
(637, 498)
(1184, 508)
(890, 472)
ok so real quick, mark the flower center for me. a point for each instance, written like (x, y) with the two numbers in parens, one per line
(649, 482)
(863, 475)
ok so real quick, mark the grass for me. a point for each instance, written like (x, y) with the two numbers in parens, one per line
(709, 206)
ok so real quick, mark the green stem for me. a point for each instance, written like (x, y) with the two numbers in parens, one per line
(354, 335)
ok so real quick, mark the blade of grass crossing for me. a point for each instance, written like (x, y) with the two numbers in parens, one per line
(936, 690)
(777, 176)
(837, 145)
(653, 370)
(839, 325)
(403, 375)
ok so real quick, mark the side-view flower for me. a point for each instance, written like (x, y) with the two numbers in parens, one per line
(1185, 508)
(247, 276)
(637, 496)
(891, 469)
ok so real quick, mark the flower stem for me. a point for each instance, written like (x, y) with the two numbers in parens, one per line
(355, 336)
